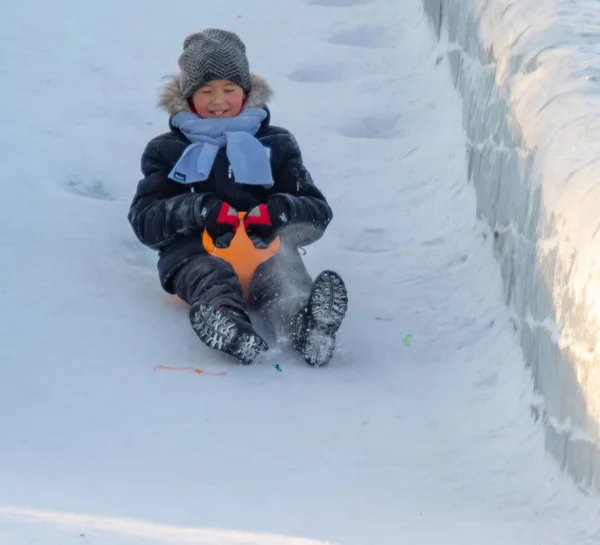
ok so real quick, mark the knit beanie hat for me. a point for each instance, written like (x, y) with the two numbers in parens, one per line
(213, 54)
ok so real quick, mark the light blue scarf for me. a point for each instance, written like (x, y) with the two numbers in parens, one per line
(248, 158)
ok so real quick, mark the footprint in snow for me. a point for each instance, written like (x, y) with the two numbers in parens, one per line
(92, 189)
(438, 241)
(381, 126)
(487, 381)
(324, 73)
(368, 241)
(339, 3)
(369, 36)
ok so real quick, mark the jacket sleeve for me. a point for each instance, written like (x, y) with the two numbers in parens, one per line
(162, 209)
(310, 214)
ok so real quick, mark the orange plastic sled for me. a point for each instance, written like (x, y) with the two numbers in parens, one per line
(241, 253)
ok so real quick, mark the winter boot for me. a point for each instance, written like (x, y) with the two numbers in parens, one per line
(317, 323)
(227, 330)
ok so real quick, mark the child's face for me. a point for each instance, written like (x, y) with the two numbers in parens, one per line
(219, 98)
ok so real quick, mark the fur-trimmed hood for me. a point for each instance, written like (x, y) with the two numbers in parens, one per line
(172, 100)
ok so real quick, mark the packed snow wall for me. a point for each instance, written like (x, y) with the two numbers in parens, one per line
(529, 75)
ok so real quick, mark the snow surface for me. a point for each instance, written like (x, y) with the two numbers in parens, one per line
(528, 74)
(430, 443)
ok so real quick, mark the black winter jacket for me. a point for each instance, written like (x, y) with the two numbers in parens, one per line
(165, 215)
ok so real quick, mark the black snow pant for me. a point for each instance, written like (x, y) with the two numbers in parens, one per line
(279, 289)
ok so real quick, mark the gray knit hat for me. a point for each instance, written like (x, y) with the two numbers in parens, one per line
(213, 54)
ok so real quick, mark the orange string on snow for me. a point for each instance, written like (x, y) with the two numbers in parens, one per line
(198, 371)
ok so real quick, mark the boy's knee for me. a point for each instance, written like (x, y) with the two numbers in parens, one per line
(204, 265)
(200, 273)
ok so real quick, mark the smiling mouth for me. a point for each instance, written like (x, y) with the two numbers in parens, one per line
(219, 113)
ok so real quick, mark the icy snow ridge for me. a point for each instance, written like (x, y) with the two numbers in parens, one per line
(528, 74)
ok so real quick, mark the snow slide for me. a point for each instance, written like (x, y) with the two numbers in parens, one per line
(419, 432)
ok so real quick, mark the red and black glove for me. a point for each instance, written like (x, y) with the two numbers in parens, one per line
(220, 221)
(264, 222)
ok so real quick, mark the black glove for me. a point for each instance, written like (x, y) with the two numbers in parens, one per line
(264, 221)
(220, 221)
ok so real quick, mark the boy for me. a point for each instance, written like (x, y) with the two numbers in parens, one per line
(222, 156)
